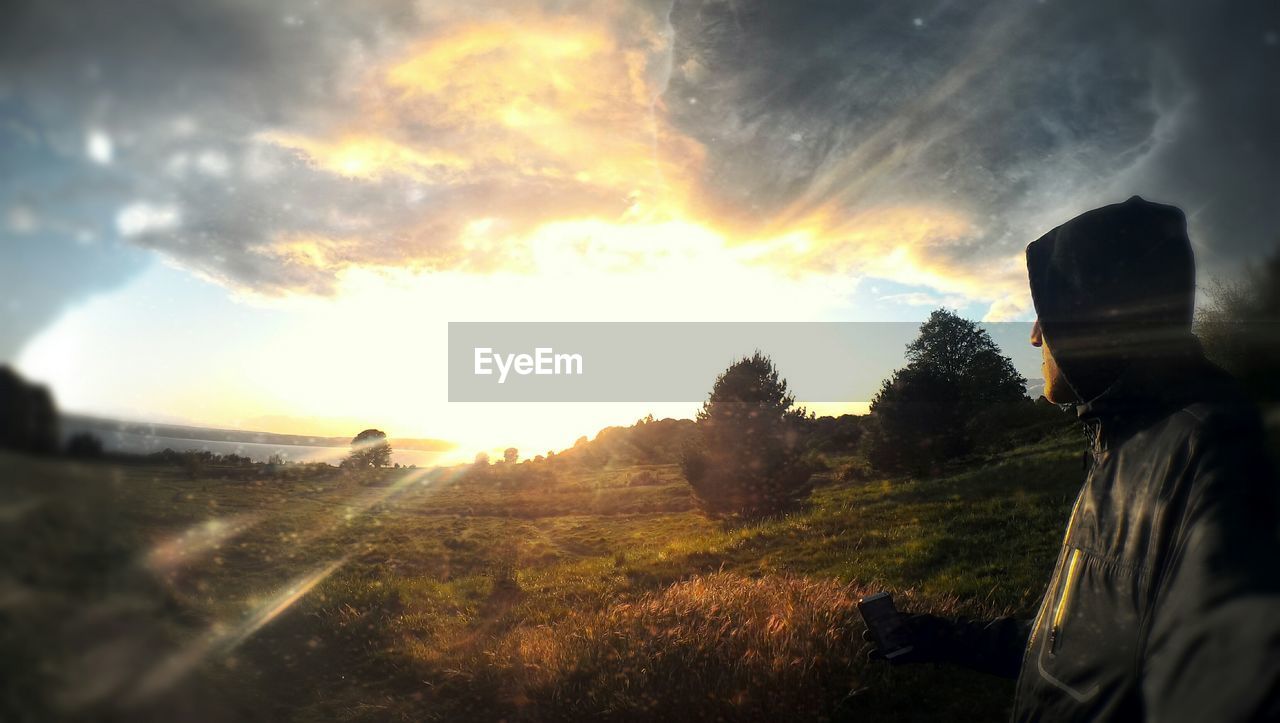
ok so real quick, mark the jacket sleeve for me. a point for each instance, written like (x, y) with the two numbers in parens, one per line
(1213, 647)
(988, 646)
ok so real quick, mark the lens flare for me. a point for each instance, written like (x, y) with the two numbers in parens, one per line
(220, 640)
(198, 540)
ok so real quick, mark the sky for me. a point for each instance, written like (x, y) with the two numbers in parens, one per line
(264, 215)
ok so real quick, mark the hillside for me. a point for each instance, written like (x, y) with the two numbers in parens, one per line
(413, 595)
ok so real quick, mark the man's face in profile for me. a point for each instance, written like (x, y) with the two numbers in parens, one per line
(1056, 388)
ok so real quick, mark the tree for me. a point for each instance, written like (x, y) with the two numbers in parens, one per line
(510, 455)
(84, 445)
(954, 370)
(369, 449)
(28, 416)
(1240, 328)
(745, 456)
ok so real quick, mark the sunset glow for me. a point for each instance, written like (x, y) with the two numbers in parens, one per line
(520, 162)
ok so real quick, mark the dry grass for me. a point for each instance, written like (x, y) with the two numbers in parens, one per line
(718, 646)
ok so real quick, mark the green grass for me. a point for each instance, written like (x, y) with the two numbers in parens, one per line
(447, 600)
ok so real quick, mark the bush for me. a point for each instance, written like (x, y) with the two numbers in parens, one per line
(835, 435)
(1015, 423)
(748, 455)
(644, 478)
(856, 470)
(1240, 331)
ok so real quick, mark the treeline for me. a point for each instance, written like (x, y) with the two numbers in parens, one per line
(751, 450)
(648, 442)
(754, 452)
(958, 394)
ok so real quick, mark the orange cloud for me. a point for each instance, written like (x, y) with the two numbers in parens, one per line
(369, 156)
(551, 134)
(917, 244)
(544, 99)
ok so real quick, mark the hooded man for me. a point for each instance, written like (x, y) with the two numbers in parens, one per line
(1165, 600)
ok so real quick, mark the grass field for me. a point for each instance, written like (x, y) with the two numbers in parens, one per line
(135, 592)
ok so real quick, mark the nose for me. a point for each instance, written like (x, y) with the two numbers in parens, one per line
(1037, 336)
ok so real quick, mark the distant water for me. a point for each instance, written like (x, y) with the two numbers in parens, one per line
(132, 443)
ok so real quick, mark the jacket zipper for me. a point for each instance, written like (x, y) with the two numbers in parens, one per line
(1060, 611)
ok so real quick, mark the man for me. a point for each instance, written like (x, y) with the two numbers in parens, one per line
(1164, 604)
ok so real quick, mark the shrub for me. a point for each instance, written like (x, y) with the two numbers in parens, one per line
(856, 470)
(644, 478)
(1239, 330)
(1003, 426)
(747, 457)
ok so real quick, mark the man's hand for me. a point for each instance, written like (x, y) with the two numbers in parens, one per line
(926, 634)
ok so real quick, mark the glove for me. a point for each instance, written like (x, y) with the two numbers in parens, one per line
(926, 634)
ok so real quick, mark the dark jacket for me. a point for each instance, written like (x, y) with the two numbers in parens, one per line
(1165, 601)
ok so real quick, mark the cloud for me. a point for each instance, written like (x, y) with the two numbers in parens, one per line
(919, 298)
(98, 147)
(145, 218)
(279, 146)
(1015, 115)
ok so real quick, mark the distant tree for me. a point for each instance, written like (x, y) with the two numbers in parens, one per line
(482, 459)
(746, 455)
(28, 417)
(648, 441)
(1239, 327)
(194, 463)
(510, 455)
(369, 449)
(84, 445)
(836, 435)
(920, 415)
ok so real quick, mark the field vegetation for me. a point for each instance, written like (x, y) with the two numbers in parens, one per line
(592, 589)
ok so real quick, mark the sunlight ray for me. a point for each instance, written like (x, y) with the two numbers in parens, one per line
(197, 540)
(221, 640)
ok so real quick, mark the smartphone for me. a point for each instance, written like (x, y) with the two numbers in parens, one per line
(885, 623)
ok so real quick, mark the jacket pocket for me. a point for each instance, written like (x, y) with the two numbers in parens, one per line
(1067, 670)
(1064, 601)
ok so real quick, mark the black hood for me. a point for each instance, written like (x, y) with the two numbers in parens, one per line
(1114, 287)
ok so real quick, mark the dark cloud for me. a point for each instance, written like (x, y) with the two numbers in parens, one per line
(1021, 113)
(1220, 153)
